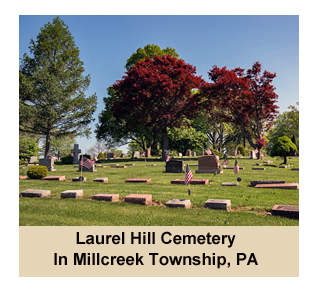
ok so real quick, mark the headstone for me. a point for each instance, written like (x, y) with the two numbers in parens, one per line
(194, 153)
(54, 178)
(280, 186)
(253, 154)
(148, 152)
(143, 199)
(174, 166)
(119, 166)
(189, 153)
(256, 182)
(123, 155)
(106, 197)
(257, 164)
(259, 169)
(295, 169)
(79, 179)
(33, 159)
(179, 203)
(22, 177)
(130, 164)
(101, 180)
(35, 193)
(110, 155)
(71, 194)
(192, 182)
(286, 211)
(48, 162)
(231, 168)
(153, 164)
(218, 204)
(208, 164)
(230, 184)
(136, 154)
(282, 166)
(138, 180)
(180, 154)
(76, 151)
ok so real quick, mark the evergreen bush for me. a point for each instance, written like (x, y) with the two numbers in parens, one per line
(37, 172)
(67, 159)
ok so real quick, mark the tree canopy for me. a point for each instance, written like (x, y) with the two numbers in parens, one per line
(149, 51)
(248, 100)
(155, 94)
(283, 147)
(52, 86)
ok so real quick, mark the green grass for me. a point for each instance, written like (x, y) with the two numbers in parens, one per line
(250, 206)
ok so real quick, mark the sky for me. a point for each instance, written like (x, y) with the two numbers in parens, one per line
(107, 41)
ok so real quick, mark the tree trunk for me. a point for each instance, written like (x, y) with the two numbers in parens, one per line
(47, 146)
(164, 143)
(284, 159)
(258, 157)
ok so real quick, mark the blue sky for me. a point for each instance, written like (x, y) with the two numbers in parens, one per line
(107, 41)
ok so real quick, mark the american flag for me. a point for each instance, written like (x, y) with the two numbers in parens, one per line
(86, 162)
(143, 154)
(217, 159)
(225, 163)
(95, 158)
(256, 151)
(208, 151)
(235, 152)
(236, 167)
(168, 158)
(188, 175)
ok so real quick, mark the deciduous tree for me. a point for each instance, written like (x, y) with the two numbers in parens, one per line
(248, 99)
(156, 93)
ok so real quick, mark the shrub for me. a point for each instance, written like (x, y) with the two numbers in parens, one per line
(220, 154)
(101, 155)
(242, 151)
(67, 159)
(37, 172)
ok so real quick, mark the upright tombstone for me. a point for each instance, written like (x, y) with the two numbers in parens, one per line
(84, 169)
(253, 154)
(208, 164)
(148, 152)
(174, 166)
(33, 159)
(48, 162)
(76, 151)
(135, 154)
(110, 155)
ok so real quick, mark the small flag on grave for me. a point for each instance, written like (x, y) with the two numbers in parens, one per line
(208, 151)
(235, 152)
(143, 154)
(86, 162)
(225, 163)
(236, 167)
(188, 175)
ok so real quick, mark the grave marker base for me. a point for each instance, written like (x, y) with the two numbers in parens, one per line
(286, 211)
(179, 203)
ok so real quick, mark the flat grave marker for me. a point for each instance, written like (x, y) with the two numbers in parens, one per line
(230, 184)
(101, 180)
(279, 186)
(218, 204)
(258, 169)
(129, 164)
(253, 183)
(71, 194)
(106, 197)
(79, 179)
(138, 180)
(153, 164)
(23, 177)
(286, 211)
(143, 199)
(295, 169)
(192, 182)
(54, 178)
(35, 193)
(120, 167)
(179, 203)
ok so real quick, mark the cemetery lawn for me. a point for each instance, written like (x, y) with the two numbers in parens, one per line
(250, 206)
